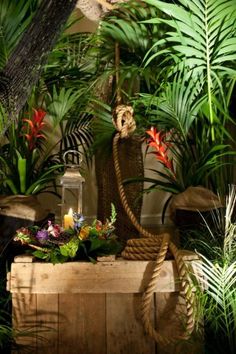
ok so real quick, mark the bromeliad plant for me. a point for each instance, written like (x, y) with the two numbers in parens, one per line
(185, 163)
(55, 244)
(194, 97)
(26, 167)
(62, 91)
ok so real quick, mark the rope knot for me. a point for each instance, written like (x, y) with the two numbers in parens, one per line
(123, 120)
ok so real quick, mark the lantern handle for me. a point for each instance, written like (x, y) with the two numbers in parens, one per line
(72, 151)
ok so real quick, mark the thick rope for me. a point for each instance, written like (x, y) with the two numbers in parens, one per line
(148, 294)
(187, 290)
(121, 190)
(123, 120)
(152, 247)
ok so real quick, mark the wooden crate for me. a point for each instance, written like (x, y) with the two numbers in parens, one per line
(85, 308)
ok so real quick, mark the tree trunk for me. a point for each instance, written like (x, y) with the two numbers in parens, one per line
(22, 70)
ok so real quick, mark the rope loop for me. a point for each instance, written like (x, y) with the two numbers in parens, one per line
(123, 120)
(153, 247)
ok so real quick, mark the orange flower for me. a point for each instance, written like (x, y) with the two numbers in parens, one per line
(158, 141)
(84, 232)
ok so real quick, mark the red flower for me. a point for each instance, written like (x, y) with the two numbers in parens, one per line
(35, 125)
(159, 143)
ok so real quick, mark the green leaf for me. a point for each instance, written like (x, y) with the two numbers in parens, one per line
(57, 257)
(41, 255)
(14, 19)
(21, 165)
(70, 248)
(210, 24)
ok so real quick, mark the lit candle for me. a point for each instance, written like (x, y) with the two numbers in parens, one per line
(68, 219)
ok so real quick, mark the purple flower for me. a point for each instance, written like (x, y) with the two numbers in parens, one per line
(42, 236)
(78, 220)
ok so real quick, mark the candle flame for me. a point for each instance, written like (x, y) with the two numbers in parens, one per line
(70, 212)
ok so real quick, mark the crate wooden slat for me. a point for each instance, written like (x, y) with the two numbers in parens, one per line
(82, 308)
(104, 277)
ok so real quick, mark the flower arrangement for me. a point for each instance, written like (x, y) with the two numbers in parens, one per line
(55, 244)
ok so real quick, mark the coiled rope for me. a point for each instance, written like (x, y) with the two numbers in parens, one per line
(150, 247)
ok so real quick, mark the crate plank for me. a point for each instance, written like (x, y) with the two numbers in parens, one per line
(24, 319)
(125, 333)
(82, 324)
(170, 313)
(47, 320)
(103, 277)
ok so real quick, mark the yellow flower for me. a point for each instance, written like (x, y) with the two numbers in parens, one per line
(84, 232)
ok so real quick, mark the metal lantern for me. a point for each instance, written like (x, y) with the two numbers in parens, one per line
(72, 189)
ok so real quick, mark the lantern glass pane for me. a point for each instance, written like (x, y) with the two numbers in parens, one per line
(71, 195)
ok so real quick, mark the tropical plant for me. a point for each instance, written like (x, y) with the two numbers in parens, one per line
(118, 50)
(182, 88)
(217, 274)
(24, 167)
(193, 101)
(62, 91)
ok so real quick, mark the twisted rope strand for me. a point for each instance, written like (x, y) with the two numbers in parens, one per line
(187, 289)
(148, 294)
(121, 190)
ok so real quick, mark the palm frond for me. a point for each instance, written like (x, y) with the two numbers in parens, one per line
(178, 105)
(103, 128)
(14, 18)
(61, 103)
(203, 36)
(220, 283)
(78, 136)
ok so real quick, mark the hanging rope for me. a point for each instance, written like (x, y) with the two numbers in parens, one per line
(150, 247)
(154, 247)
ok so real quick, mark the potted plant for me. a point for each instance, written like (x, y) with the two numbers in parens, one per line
(56, 106)
(24, 168)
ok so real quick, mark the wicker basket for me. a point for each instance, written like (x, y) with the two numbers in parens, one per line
(131, 163)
